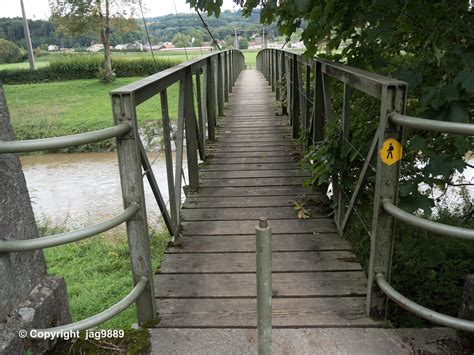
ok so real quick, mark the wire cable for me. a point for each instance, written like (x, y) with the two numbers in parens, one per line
(180, 30)
(206, 26)
(146, 31)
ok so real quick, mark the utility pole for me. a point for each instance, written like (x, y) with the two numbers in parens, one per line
(264, 40)
(236, 40)
(29, 48)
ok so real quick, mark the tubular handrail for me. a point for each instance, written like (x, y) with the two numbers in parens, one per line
(430, 226)
(302, 77)
(34, 145)
(63, 238)
(421, 311)
(104, 315)
(466, 129)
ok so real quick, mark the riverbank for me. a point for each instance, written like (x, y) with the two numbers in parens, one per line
(63, 108)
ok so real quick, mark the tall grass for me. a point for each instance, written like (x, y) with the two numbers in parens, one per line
(98, 274)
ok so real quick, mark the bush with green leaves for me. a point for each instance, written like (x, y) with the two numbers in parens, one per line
(10, 52)
(86, 67)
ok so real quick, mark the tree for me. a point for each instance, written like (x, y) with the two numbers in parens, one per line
(181, 40)
(429, 44)
(10, 52)
(243, 43)
(229, 41)
(80, 17)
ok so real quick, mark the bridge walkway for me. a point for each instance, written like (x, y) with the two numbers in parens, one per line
(209, 281)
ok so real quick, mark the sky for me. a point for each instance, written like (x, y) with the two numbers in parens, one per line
(39, 9)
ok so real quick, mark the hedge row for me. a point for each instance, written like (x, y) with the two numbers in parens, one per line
(85, 68)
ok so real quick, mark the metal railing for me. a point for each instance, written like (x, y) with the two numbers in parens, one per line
(221, 70)
(308, 96)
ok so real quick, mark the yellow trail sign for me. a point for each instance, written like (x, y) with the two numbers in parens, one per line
(391, 151)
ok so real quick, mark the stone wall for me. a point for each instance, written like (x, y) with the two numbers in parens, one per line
(28, 297)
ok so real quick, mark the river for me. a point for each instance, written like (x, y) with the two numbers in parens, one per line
(79, 189)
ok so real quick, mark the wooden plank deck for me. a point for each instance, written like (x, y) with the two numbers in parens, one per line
(209, 282)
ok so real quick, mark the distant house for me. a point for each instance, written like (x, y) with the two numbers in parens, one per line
(96, 47)
(166, 45)
(53, 48)
(129, 46)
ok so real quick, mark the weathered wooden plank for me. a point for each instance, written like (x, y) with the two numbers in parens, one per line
(245, 262)
(264, 181)
(246, 243)
(282, 142)
(294, 191)
(262, 173)
(287, 312)
(263, 151)
(293, 165)
(233, 138)
(309, 200)
(251, 158)
(301, 226)
(304, 284)
(244, 213)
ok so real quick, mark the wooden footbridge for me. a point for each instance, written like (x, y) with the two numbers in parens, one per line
(209, 279)
(245, 131)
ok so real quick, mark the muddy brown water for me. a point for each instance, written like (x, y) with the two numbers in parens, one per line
(82, 188)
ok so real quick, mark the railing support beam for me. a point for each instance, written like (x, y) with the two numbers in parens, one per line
(123, 107)
(386, 187)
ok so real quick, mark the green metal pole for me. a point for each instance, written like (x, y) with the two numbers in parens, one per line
(264, 287)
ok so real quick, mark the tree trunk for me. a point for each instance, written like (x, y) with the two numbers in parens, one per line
(105, 39)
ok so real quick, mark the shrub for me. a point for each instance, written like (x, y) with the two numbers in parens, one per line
(9, 52)
(85, 67)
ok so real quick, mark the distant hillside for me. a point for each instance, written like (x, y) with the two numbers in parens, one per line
(162, 29)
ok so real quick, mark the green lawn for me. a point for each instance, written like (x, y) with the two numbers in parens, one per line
(67, 107)
(176, 55)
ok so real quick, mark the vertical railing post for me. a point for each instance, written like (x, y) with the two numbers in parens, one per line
(307, 105)
(301, 99)
(226, 76)
(319, 115)
(231, 82)
(123, 107)
(210, 100)
(295, 97)
(220, 84)
(264, 286)
(169, 158)
(228, 73)
(386, 187)
(278, 75)
(201, 131)
(341, 202)
(272, 69)
(283, 74)
(190, 125)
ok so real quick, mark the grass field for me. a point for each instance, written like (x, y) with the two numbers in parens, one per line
(69, 107)
(176, 55)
